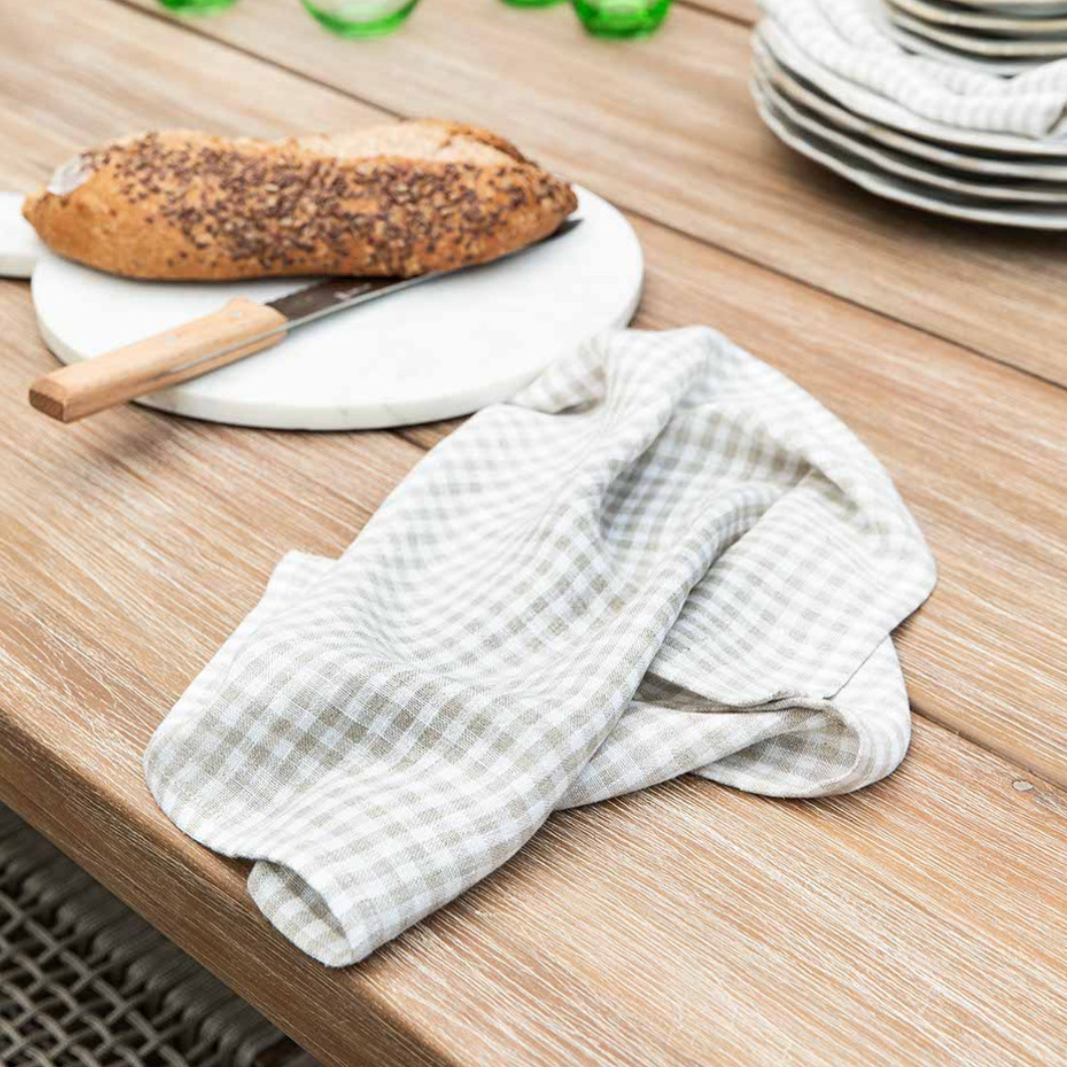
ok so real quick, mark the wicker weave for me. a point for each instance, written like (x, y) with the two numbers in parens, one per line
(84, 982)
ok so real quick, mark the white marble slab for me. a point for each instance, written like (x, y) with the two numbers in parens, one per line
(437, 351)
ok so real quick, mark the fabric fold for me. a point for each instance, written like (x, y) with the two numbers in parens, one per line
(851, 42)
(662, 557)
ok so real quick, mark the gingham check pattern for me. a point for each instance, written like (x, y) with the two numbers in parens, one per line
(848, 49)
(662, 557)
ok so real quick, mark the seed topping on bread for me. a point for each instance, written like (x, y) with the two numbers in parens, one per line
(187, 205)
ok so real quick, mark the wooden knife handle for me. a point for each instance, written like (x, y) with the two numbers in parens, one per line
(167, 358)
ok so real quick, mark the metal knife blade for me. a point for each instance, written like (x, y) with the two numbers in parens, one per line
(320, 299)
(239, 329)
(336, 294)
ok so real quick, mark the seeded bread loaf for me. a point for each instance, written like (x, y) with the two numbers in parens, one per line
(402, 199)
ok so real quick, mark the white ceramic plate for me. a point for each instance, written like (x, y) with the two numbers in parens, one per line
(987, 19)
(1000, 166)
(440, 350)
(1023, 8)
(870, 105)
(999, 66)
(975, 44)
(899, 189)
(894, 163)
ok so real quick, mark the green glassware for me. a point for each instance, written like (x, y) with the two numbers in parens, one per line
(197, 7)
(621, 18)
(361, 18)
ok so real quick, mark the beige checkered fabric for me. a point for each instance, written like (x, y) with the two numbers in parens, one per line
(850, 50)
(662, 557)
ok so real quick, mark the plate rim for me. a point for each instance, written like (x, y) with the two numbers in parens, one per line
(878, 185)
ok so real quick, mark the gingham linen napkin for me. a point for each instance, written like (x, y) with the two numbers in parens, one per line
(849, 48)
(662, 557)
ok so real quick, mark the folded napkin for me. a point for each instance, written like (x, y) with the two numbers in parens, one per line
(852, 40)
(662, 557)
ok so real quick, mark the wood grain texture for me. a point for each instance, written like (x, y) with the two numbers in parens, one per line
(991, 502)
(77, 74)
(918, 921)
(744, 11)
(672, 133)
(921, 921)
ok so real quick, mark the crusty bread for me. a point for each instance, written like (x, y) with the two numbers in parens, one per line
(402, 199)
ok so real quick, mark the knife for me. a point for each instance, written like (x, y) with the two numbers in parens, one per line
(241, 328)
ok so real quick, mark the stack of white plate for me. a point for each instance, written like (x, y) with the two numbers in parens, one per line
(1012, 35)
(835, 80)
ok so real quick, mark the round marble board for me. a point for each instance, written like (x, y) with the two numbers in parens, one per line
(433, 352)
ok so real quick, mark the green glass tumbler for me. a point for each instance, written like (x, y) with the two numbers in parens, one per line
(361, 18)
(196, 7)
(621, 18)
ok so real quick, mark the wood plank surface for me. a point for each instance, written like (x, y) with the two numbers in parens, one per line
(991, 502)
(916, 922)
(744, 11)
(920, 921)
(666, 127)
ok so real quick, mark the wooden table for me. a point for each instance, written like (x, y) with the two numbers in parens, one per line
(921, 921)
